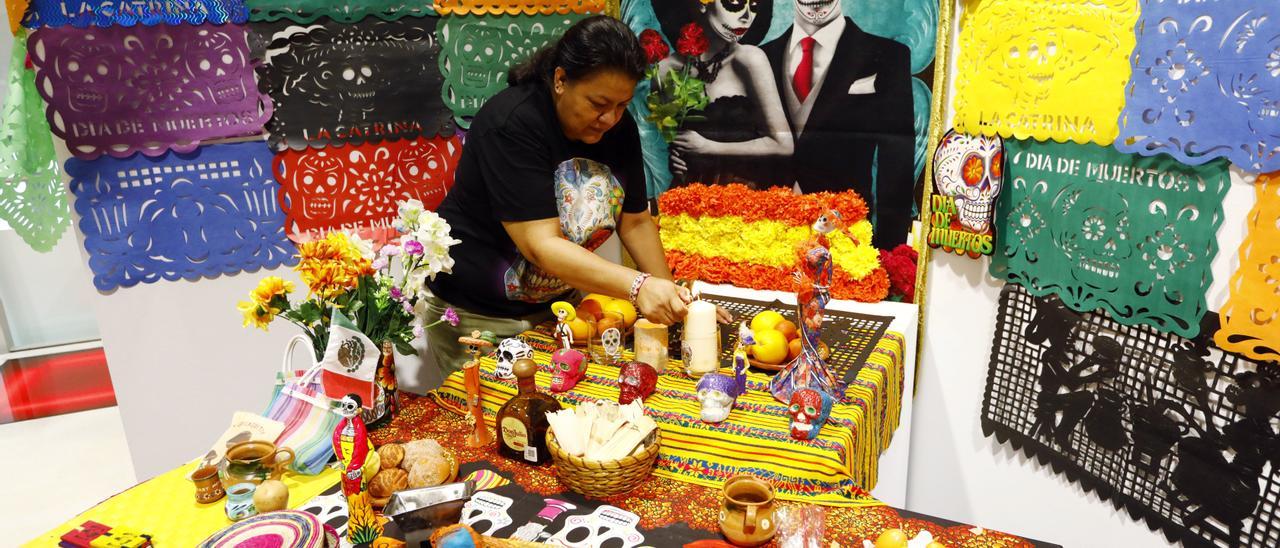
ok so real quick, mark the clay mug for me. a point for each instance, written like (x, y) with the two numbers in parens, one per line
(746, 513)
(253, 462)
(208, 487)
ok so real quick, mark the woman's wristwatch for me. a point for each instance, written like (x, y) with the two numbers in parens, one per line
(635, 287)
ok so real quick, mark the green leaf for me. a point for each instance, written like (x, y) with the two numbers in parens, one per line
(669, 122)
(405, 348)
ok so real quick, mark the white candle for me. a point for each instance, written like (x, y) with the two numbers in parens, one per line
(701, 342)
(651, 344)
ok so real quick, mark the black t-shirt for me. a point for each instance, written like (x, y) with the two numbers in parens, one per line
(517, 165)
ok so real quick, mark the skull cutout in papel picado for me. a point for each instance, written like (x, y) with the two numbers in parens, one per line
(568, 367)
(509, 351)
(1097, 237)
(970, 170)
(636, 381)
(320, 177)
(479, 47)
(809, 410)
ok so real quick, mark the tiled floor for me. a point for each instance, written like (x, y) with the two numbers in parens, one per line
(56, 467)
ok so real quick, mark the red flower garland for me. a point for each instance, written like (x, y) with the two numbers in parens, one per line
(901, 266)
(774, 204)
(874, 287)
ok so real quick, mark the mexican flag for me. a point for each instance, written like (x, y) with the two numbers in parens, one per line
(350, 364)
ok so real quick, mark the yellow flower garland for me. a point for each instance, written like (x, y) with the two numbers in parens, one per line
(770, 243)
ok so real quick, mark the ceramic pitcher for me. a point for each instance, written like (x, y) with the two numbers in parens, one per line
(746, 511)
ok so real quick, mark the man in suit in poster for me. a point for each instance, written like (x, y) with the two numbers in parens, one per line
(847, 95)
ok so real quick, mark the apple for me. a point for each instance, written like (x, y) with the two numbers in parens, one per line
(771, 346)
(765, 320)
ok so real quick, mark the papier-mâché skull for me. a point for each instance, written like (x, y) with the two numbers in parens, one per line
(568, 366)
(970, 170)
(509, 351)
(809, 410)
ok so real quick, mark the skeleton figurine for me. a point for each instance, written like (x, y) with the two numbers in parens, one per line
(477, 343)
(809, 410)
(510, 350)
(564, 314)
(809, 369)
(568, 366)
(718, 392)
(354, 450)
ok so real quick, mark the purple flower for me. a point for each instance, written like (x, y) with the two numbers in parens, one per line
(396, 294)
(451, 316)
(418, 331)
(408, 307)
(413, 247)
(379, 263)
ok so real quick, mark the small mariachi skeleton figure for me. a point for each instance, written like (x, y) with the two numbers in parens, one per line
(352, 447)
(564, 314)
(477, 343)
(814, 280)
(718, 392)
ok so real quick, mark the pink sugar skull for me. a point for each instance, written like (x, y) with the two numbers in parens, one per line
(568, 366)
(809, 410)
(636, 381)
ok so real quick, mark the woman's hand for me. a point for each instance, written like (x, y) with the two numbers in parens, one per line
(692, 142)
(723, 316)
(662, 301)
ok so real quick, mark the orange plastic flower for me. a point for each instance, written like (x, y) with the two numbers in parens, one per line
(331, 266)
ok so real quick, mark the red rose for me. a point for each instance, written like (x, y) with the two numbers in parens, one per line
(902, 273)
(655, 48)
(692, 42)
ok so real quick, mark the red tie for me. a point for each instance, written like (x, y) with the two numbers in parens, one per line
(802, 82)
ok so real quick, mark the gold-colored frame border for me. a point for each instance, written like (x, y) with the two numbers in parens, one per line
(937, 123)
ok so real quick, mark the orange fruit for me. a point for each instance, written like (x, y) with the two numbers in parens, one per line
(581, 329)
(591, 308)
(793, 348)
(622, 308)
(765, 320)
(610, 319)
(770, 347)
(788, 329)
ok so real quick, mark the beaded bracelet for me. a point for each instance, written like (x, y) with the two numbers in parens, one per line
(635, 286)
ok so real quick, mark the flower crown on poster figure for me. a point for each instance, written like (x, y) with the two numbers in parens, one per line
(809, 370)
(717, 392)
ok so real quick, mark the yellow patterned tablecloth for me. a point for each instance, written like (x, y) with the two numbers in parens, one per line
(165, 507)
(835, 469)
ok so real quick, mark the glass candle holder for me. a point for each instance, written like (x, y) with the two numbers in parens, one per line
(651, 344)
(240, 501)
(701, 353)
(609, 339)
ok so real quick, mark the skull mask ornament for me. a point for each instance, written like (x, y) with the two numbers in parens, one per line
(509, 351)
(809, 411)
(636, 381)
(970, 170)
(568, 366)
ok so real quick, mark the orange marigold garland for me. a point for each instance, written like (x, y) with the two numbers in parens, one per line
(775, 204)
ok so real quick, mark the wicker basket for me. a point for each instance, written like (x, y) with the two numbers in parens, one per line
(595, 478)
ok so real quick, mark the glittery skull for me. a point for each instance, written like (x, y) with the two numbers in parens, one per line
(509, 351)
(970, 170)
(1095, 237)
(568, 366)
(636, 381)
(717, 393)
(321, 178)
(809, 411)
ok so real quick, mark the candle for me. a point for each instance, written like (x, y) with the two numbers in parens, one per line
(651, 344)
(700, 348)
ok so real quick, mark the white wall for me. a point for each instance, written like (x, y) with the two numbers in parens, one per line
(958, 473)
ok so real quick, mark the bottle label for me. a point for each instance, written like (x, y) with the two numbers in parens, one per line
(531, 453)
(515, 435)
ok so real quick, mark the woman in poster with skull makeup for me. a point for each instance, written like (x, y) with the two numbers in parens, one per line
(745, 128)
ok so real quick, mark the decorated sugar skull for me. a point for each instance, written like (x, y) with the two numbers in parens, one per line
(717, 393)
(510, 350)
(568, 366)
(970, 170)
(1096, 236)
(636, 381)
(809, 410)
(611, 340)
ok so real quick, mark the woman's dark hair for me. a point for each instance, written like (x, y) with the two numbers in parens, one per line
(673, 15)
(596, 43)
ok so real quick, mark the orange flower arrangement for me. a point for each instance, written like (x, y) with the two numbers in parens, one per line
(777, 207)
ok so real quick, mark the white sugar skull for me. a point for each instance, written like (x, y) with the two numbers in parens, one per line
(611, 340)
(509, 351)
(970, 170)
(716, 405)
